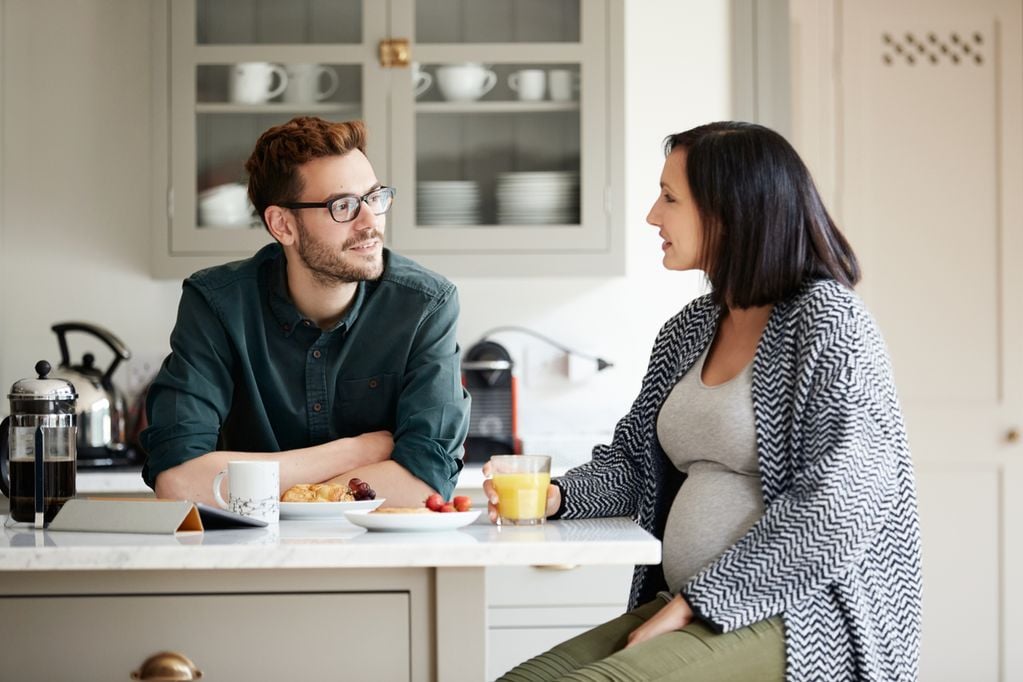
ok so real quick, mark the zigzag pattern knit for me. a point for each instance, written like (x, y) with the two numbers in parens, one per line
(837, 552)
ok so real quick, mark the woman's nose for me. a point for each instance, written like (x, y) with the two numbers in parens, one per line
(652, 218)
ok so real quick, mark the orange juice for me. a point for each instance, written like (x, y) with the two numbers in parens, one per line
(522, 497)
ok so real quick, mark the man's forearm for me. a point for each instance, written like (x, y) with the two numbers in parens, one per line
(193, 480)
(392, 481)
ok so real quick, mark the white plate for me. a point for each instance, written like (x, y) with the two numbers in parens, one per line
(412, 522)
(321, 510)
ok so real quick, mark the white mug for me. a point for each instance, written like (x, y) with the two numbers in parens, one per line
(529, 83)
(421, 80)
(465, 82)
(251, 82)
(562, 84)
(254, 489)
(304, 83)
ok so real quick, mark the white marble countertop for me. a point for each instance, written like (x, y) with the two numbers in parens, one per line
(332, 544)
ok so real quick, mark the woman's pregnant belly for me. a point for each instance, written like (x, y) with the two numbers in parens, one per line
(713, 509)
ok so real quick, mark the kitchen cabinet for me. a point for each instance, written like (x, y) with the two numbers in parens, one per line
(327, 600)
(529, 608)
(491, 186)
(532, 608)
(927, 186)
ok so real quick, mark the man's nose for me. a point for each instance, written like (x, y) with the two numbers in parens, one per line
(366, 220)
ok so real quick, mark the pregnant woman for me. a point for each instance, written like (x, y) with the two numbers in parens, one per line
(766, 448)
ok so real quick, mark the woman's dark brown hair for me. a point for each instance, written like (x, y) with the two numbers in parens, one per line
(766, 230)
(273, 166)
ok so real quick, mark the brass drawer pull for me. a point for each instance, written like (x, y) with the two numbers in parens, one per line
(556, 567)
(1012, 436)
(167, 666)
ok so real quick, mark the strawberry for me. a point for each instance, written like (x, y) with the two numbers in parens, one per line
(434, 502)
(462, 503)
(448, 507)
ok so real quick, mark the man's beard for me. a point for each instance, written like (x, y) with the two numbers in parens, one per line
(331, 265)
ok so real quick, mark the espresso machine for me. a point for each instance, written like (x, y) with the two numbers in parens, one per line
(493, 428)
(38, 447)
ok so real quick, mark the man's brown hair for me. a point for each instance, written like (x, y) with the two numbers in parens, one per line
(273, 167)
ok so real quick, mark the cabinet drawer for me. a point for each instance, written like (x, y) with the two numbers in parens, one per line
(507, 648)
(323, 636)
(558, 586)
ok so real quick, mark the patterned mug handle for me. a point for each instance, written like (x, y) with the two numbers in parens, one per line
(216, 489)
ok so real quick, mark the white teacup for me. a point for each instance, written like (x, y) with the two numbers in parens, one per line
(562, 84)
(465, 82)
(252, 82)
(421, 80)
(529, 83)
(254, 489)
(304, 83)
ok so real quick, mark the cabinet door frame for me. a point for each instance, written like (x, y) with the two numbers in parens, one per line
(597, 245)
(180, 246)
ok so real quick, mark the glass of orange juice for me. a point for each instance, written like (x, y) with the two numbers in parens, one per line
(521, 482)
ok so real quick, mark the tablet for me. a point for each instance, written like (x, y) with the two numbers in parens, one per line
(215, 518)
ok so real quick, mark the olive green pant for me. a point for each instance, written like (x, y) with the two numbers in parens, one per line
(694, 653)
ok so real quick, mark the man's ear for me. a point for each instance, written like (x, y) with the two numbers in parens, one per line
(281, 224)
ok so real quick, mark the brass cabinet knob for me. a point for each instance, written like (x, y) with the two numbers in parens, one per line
(394, 52)
(167, 666)
(1012, 436)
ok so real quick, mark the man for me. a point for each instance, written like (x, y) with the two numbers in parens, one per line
(325, 351)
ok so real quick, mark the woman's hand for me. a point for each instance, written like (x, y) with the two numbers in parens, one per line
(675, 616)
(553, 496)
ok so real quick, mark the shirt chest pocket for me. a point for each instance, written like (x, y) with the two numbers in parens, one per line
(365, 405)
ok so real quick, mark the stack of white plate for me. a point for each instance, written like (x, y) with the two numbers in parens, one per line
(448, 202)
(538, 198)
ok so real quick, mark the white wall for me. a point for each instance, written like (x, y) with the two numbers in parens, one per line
(76, 169)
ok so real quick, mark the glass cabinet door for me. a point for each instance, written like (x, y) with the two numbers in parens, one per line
(499, 128)
(239, 67)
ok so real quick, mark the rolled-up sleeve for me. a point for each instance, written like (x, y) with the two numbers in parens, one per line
(191, 395)
(433, 407)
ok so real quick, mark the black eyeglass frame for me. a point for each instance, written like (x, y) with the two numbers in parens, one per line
(329, 203)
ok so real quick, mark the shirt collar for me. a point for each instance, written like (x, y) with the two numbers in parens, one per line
(288, 315)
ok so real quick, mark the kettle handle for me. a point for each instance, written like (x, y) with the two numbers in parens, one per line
(120, 350)
(5, 457)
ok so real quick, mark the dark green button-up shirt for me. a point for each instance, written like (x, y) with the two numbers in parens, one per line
(247, 372)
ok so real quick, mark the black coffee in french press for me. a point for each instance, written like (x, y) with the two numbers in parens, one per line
(38, 447)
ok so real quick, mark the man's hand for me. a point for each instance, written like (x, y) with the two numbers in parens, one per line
(675, 616)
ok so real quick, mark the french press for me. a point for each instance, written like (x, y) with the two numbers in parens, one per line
(38, 447)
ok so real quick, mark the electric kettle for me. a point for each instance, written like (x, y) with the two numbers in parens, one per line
(102, 409)
(37, 447)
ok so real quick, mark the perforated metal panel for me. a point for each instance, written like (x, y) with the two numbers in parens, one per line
(950, 47)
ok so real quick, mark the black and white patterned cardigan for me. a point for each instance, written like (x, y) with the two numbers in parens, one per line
(837, 551)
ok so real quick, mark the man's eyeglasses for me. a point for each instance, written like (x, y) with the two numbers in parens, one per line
(346, 209)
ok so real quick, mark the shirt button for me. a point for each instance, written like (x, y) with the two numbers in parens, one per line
(316, 407)
(373, 383)
(286, 327)
(316, 354)
(306, 322)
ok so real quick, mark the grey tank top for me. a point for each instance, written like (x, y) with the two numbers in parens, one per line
(708, 432)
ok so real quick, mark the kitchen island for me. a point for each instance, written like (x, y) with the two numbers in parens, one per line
(321, 599)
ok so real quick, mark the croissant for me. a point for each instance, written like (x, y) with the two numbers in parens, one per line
(318, 492)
